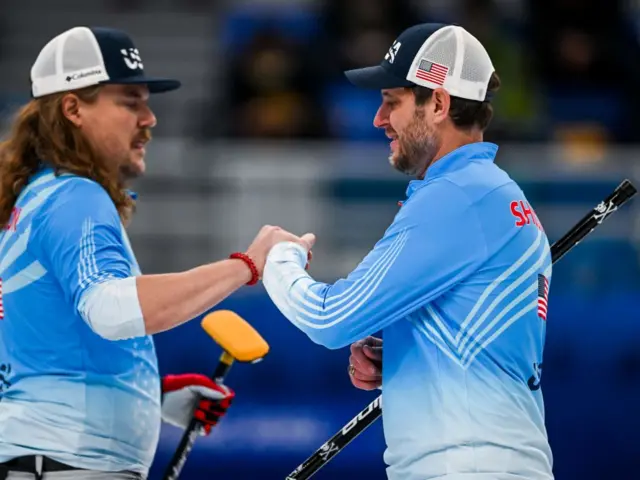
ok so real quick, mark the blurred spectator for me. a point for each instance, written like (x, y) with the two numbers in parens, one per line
(582, 51)
(284, 67)
(270, 91)
(269, 85)
(517, 103)
(354, 34)
(358, 33)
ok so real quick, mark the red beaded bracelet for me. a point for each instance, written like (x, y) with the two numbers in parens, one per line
(255, 276)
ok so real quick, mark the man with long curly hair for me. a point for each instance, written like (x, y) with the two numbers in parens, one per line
(79, 384)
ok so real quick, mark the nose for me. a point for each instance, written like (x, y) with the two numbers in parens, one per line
(381, 120)
(147, 119)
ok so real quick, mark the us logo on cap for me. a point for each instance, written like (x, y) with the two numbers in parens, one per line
(393, 51)
(132, 58)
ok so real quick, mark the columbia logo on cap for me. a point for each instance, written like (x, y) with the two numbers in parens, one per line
(85, 74)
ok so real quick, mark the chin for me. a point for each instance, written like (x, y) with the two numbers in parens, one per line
(134, 168)
(138, 162)
(393, 159)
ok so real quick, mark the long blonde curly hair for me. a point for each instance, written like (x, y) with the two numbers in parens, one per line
(41, 132)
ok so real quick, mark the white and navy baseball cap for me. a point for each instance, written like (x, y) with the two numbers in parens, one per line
(434, 56)
(86, 56)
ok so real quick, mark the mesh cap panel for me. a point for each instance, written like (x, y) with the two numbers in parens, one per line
(69, 61)
(476, 66)
(442, 49)
(80, 52)
(453, 59)
(45, 65)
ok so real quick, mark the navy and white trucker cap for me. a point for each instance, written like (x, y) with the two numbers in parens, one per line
(432, 55)
(82, 57)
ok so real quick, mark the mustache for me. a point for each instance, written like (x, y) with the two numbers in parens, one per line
(144, 135)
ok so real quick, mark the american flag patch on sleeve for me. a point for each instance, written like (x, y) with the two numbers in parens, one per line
(543, 295)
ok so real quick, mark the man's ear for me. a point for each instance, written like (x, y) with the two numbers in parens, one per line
(71, 109)
(441, 102)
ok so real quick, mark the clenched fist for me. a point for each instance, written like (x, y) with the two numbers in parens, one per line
(365, 363)
(267, 237)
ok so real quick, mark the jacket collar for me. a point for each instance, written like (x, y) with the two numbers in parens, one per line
(45, 169)
(455, 160)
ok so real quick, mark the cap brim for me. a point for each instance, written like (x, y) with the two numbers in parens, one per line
(376, 78)
(155, 85)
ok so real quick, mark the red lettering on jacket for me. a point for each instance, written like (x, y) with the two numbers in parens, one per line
(516, 213)
(524, 214)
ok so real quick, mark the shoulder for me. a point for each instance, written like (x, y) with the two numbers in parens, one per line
(481, 178)
(480, 183)
(438, 197)
(438, 208)
(441, 207)
(74, 186)
(81, 192)
(73, 197)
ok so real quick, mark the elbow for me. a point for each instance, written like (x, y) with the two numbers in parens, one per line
(331, 334)
(113, 328)
(331, 338)
(112, 311)
(110, 332)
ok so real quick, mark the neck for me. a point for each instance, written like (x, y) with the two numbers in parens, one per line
(452, 141)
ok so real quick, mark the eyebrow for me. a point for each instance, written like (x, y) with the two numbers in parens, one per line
(388, 95)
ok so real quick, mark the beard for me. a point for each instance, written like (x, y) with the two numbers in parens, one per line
(417, 147)
(128, 172)
(130, 169)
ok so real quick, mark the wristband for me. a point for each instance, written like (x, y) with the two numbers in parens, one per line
(255, 276)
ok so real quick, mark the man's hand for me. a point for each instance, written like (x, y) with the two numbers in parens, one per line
(270, 236)
(365, 363)
(180, 394)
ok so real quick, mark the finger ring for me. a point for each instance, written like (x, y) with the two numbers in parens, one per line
(352, 370)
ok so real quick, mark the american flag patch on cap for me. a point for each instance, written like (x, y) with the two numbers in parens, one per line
(543, 295)
(432, 72)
